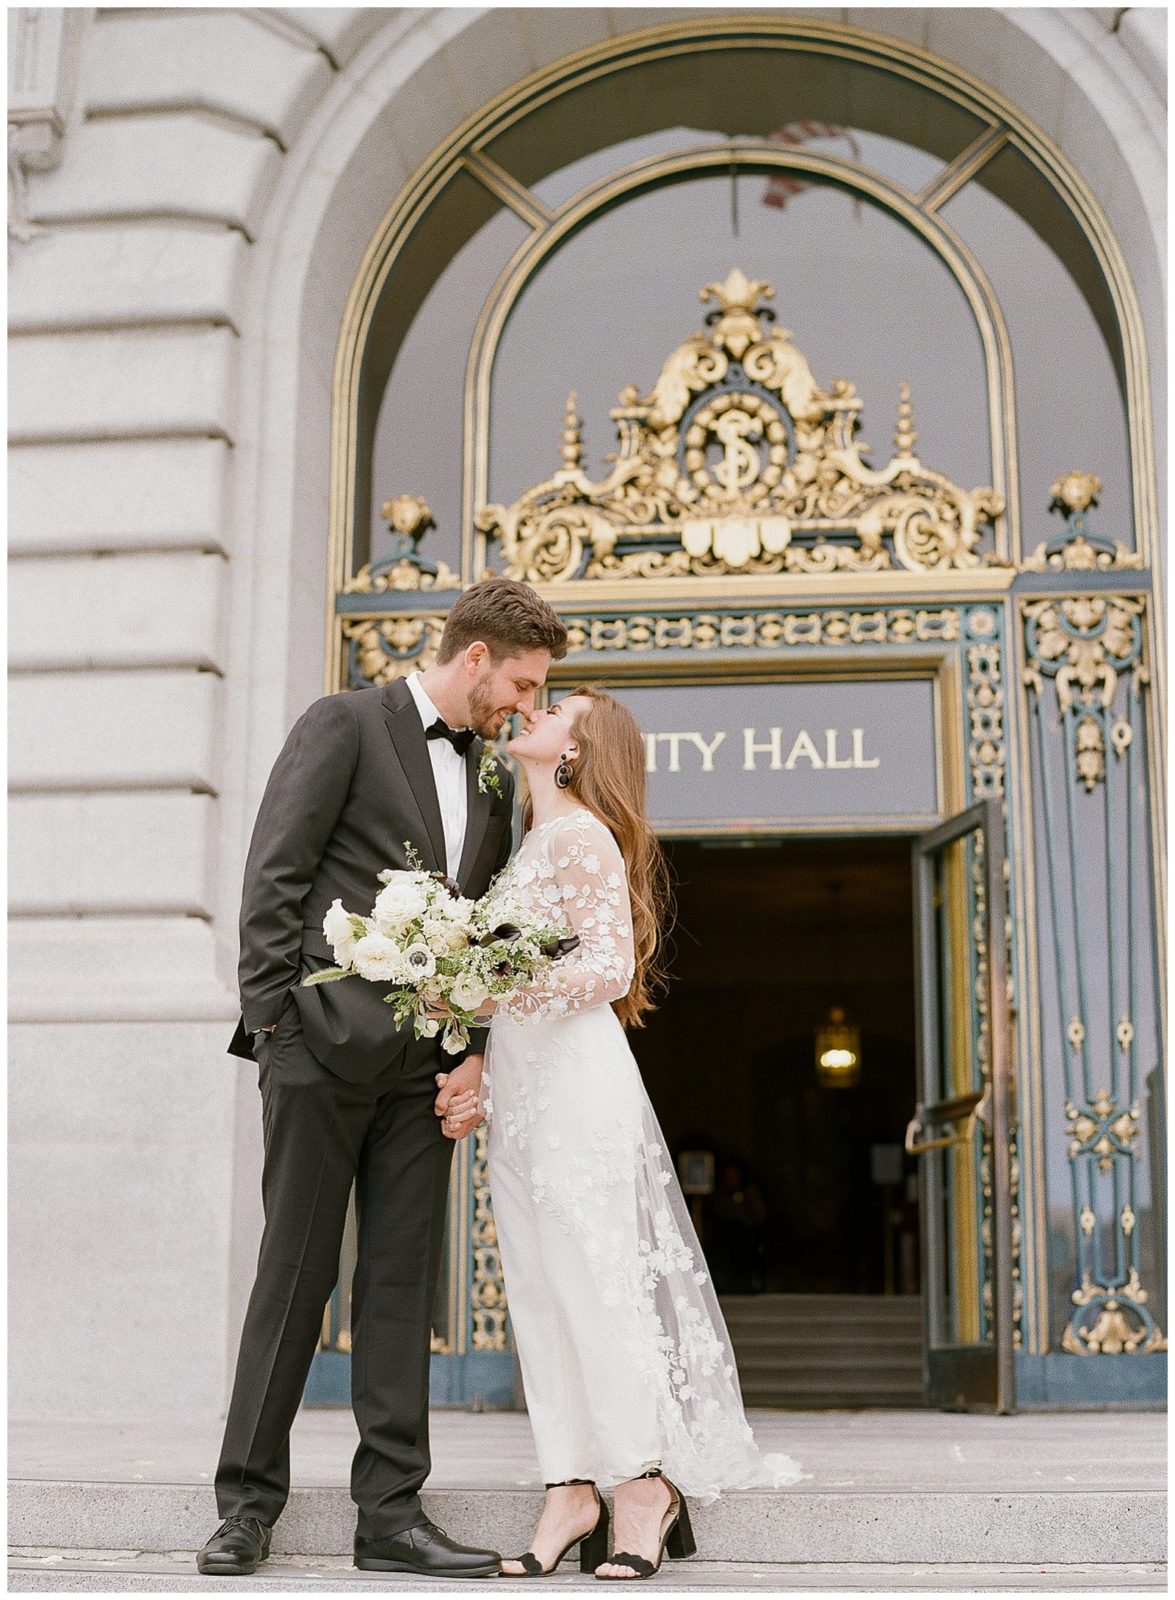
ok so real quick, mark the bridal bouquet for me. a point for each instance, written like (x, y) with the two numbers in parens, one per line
(446, 955)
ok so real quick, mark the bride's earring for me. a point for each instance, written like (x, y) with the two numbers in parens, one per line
(564, 772)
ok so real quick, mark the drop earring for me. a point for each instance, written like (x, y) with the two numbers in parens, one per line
(564, 772)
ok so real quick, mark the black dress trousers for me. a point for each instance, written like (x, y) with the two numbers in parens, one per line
(321, 1134)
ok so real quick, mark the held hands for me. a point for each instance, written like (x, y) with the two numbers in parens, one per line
(459, 1102)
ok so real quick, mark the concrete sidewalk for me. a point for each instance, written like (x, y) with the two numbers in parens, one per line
(888, 1450)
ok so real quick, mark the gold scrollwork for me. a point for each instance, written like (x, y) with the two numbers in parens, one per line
(1112, 1332)
(1072, 495)
(384, 648)
(985, 711)
(761, 630)
(488, 1289)
(408, 518)
(1101, 1129)
(1084, 642)
(981, 990)
(737, 461)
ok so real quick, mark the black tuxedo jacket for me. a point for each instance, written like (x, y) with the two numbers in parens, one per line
(353, 782)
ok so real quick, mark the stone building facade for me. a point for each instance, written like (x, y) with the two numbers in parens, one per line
(192, 195)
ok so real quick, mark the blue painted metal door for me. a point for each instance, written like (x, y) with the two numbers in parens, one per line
(962, 1126)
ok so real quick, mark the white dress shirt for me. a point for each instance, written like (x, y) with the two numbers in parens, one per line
(448, 771)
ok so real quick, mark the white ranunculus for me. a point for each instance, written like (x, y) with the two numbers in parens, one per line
(468, 992)
(444, 938)
(379, 959)
(419, 962)
(341, 930)
(400, 901)
(451, 908)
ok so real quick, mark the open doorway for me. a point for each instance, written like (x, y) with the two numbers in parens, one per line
(813, 1214)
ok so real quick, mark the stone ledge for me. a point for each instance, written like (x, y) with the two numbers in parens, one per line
(806, 1523)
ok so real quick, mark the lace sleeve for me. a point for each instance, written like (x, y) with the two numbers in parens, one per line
(582, 882)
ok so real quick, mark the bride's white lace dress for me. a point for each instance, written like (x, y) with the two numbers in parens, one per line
(626, 1361)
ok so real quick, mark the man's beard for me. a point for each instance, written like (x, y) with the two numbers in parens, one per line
(484, 715)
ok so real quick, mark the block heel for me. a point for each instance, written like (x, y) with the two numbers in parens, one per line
(594, 1548)
(679, 1542)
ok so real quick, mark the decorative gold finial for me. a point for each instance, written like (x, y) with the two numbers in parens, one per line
(737, 320)
(904, 436)
(1075, 491)
(409, 515)
(572, 437)
(738, 293)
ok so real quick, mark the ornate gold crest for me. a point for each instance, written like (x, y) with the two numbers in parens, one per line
(737, 461)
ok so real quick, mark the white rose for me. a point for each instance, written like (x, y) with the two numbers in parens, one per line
(379, 959)
(401, 900)
(419, 962)
(341, 931)
(468, 992)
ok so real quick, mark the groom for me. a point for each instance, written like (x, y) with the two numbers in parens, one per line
(345, 1096)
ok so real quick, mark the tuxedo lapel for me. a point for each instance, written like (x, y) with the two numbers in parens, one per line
(407, 734)
(477, 812)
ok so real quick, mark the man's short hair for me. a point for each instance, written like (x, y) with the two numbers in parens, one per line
(507, 616)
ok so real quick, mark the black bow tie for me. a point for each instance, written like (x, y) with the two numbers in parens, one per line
(459, 738)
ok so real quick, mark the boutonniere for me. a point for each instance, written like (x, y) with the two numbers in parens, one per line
(487, 773)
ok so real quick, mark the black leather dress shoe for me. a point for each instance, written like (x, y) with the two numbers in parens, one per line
(428, 1550)
(238, 1547)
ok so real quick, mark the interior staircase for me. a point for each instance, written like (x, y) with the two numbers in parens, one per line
(827, 1351)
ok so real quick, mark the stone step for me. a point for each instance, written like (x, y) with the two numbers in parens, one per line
(809, 1522)
(830, 1330)
(761, 1358)
(868, 1391)
(827, 1351)
(765, 1336)
(831, 1400)
(129, 1571)
(904, 1311)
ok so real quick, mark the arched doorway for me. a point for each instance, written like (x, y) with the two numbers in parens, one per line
(513, 169)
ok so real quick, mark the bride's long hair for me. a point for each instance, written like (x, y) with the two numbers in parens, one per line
(609, 779)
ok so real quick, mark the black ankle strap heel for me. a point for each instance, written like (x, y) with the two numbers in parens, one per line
(593, 1545)
(677, 1537)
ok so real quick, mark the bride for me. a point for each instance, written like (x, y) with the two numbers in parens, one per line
(626, 1361)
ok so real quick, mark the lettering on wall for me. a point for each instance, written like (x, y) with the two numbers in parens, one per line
(763, 754)
(829, 750)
